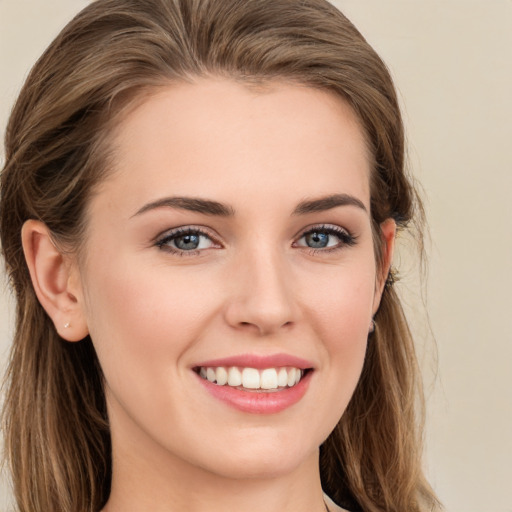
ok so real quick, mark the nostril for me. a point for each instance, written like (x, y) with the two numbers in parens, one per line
(260, 313)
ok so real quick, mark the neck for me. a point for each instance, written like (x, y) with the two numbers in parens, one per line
(160, 482)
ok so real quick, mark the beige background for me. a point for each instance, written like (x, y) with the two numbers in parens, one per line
(452, 64)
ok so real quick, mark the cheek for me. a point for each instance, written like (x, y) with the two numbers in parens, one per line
(138, 320)
(340, 303)
(340, 313)
(143, 323)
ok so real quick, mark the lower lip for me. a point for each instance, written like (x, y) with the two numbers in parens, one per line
(258, 402)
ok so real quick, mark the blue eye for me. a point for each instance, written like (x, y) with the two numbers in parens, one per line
(185, 240)
(318, 240)
(326, 237)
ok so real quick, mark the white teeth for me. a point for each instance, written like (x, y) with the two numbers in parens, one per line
(210, 374)
(234, 377)
(291, 376)
(252, 378)
(222, 376)
(269, 379)
(282, 378)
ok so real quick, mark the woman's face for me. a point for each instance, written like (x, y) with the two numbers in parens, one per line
(234, 243)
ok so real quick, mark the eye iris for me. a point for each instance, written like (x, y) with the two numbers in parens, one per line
(187, 242)
(317, 240)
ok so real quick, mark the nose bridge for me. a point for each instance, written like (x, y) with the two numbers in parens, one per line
(262, 297)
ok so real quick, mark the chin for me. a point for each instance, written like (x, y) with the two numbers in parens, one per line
(262, 458)
(259, 467)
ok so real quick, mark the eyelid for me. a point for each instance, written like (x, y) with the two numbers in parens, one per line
(161, 239)
(323, 226)
(346, 237)
(186, 228)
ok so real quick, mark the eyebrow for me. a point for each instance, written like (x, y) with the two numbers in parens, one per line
(192, 204)
(209, 207)
(327, 203)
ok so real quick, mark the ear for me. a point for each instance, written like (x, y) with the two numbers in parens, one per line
(388, 235)
(56, 281)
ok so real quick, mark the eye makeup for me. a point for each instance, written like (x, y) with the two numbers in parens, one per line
(322, 238)
(186, 241)
(191, 240)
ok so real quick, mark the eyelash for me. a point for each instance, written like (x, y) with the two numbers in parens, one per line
(346, 239)
(163, 243)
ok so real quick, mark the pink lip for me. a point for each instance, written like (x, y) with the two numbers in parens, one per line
(259, 361)
(260, 402)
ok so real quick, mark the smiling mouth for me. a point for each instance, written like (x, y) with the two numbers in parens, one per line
(253, 379)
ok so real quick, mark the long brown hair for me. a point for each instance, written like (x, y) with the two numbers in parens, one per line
(57, 149)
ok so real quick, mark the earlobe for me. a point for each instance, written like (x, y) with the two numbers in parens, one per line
(388, 235)
(53, 282)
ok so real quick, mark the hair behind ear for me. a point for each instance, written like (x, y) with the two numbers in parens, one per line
(387, 405)
(54, 420)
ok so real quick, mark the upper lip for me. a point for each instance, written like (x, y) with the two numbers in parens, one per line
(259, 361)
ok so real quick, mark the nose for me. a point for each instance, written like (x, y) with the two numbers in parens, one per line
(262, 297)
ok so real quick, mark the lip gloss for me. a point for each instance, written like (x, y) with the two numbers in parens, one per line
(258, 401)
(259, 361)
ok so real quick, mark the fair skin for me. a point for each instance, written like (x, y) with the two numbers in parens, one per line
(273, 268)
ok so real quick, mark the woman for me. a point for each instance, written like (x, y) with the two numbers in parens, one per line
(198, 213)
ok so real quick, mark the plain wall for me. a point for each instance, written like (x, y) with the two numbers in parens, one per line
(452, 63)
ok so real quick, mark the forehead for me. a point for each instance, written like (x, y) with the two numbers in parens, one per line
(228, 139)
